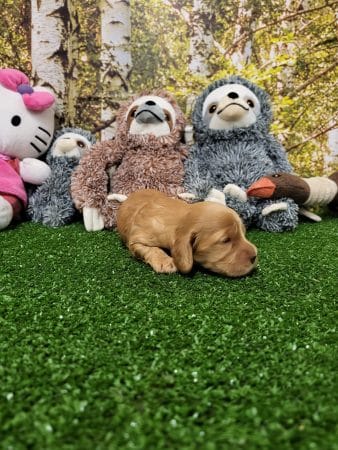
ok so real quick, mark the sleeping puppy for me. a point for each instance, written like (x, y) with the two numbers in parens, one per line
(212, 235)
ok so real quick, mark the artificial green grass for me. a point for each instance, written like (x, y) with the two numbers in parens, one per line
(99, 352)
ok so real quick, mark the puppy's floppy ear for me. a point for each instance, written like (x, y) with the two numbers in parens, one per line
(182, 251)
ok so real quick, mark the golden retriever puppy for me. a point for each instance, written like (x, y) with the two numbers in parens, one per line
(212, 235)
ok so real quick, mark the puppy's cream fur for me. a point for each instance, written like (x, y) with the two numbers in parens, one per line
(206, 233)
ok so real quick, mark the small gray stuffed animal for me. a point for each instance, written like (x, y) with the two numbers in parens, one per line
(51, 203)
(233, 149)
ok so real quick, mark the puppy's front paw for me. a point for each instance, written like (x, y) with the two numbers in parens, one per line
(164, 265)
(216, 196)
(186, 196)
(236, 192)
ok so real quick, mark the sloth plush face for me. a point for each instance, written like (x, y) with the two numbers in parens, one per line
(151, 114)
(71, 145)
(230, 106)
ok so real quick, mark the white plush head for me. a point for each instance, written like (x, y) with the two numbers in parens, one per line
(26, 116)
(71, 144)
(230, 106)
(151, 114)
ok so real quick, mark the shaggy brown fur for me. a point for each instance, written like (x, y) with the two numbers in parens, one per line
(142, 161)
(207, 233)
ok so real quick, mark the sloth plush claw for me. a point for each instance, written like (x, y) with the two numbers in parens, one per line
(236, 192)
(281, 215)
(233, 149)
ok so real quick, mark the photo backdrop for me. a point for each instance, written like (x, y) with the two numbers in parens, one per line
(94, 54)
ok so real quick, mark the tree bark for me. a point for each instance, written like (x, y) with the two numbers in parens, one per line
(242, 52)
(331, 160)
(287, 49)
(73, 54)
(201, 39)
(54, 50)
(49, 47)
(115, 57)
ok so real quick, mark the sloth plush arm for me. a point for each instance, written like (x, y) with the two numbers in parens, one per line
(197, 179)
(89, 186)
(278, 155)
(183, 150)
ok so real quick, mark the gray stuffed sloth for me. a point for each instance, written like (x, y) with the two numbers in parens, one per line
(51, 203)
(233, 149)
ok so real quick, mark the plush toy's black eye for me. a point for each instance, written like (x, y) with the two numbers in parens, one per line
(212, 109)
(276, 175)
(80, 144)
(16, 120)
(250, 103)
(233, 95)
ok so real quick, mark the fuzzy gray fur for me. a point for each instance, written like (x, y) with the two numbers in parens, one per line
(51, 203)
(239, 156)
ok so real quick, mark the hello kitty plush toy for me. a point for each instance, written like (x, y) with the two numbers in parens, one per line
(27, 127)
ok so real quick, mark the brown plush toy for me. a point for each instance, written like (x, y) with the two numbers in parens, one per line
(146, 153)
(304, 191)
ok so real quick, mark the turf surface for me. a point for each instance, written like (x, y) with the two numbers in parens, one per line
(99, 352)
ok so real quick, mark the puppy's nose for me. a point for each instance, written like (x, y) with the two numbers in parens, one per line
(233, 95)
(150, 103)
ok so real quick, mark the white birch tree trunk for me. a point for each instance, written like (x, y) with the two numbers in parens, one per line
(241, 56)
(49, 48)
(284, 77)
(115, 57)
(201, 40)
(331, 159)
(287, 49)
(73, 55)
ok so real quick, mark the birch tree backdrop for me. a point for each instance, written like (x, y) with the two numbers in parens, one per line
(96, 53)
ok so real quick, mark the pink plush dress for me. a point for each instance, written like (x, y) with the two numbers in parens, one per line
(12, 188)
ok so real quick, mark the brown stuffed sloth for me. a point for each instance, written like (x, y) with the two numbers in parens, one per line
(146, 153)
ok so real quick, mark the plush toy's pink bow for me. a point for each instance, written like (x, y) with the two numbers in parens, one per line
(18, 82)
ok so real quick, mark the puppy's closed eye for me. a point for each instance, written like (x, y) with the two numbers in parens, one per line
(226, 240)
